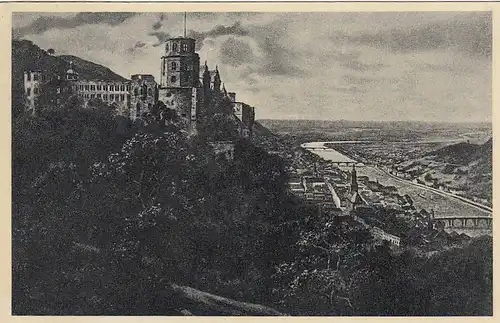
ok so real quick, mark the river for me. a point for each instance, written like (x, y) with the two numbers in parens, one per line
(443, 205)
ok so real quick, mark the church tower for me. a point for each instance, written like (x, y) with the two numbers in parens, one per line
(354, 180)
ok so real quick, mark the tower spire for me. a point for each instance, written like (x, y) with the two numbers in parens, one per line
(185, 18)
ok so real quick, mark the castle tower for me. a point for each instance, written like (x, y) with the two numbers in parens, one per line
(180, 64)
(354, 180)
(180, 84)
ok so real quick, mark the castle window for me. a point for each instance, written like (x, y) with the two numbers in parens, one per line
(111, 97)
(43, 77)
(28, 91)
(105, 97)
(174, 47)
(184, 47)
(150, 91)
(99, 87)
(174, 66)
(136, 91)
(29, 76)
(92, 87)
(92, 96)
(117, 88)
(128, 88)
(128, 97)
(173, 79)
(122, 97)
(122, 87)
(35, 77)
(138, 110)
(98, 95)
(86, 87)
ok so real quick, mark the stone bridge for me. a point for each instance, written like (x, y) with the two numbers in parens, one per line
(347, 163)
(483, 222)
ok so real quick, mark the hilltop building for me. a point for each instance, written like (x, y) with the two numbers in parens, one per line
(182, 88)
(48, 87)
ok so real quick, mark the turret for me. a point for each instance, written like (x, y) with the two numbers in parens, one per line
(217, 80)
(224, 90)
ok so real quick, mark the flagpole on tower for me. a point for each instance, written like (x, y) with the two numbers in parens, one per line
(185, 14)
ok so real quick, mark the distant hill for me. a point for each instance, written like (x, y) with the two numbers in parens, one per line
(464, 153)
(284, 125)
(26, 55)
(461, 153)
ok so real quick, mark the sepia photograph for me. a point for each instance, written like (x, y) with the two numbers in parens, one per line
(251, 163)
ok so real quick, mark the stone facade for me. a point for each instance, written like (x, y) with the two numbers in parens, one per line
(245, 116)
(112, 93)
(143, 95)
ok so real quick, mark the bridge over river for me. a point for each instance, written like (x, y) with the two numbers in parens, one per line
(450, 209)
(330, 154)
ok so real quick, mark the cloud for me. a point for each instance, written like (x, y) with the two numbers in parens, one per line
(161, 37)
(351, 60)
(235, 52)
(44, 23)
(159, 23)
(357, 65)
(357, 80)
(278, 60)
(471, 34)
(138, 44)
(220, 30)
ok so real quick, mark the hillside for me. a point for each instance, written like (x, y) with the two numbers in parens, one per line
(464, 168)
(90, 70)
(461, 153)
(26, 55)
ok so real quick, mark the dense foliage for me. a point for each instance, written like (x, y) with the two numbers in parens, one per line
(106, 214)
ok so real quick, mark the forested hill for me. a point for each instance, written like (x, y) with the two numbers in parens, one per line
(90, 70)
(464, 153)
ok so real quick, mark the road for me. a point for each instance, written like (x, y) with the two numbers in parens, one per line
(479, 206)
(443, 205)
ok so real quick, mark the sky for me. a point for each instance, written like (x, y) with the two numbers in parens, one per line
(367, 66)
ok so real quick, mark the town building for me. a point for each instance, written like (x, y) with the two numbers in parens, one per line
(380, 234)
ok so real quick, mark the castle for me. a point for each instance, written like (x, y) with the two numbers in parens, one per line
(184, 86)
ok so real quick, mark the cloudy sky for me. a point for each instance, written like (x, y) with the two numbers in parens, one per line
(431, 66)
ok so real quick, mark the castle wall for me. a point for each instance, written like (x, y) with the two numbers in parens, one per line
(186, 102)
(143, 95)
